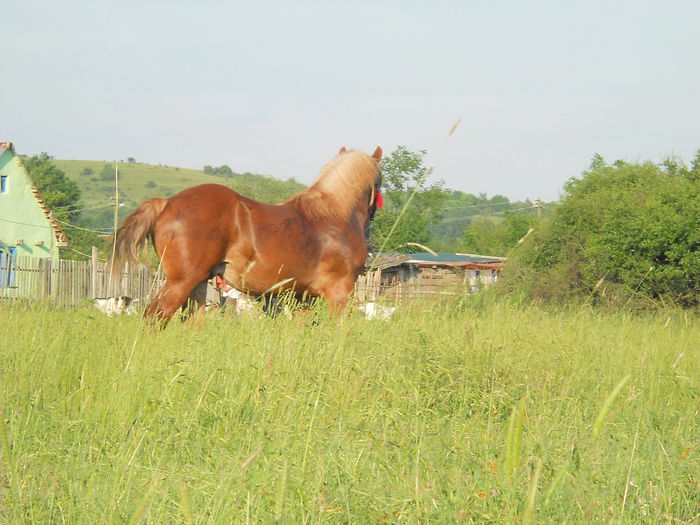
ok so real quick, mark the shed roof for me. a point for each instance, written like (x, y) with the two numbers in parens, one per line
(443, 259)
(451, 258)
(466, 261)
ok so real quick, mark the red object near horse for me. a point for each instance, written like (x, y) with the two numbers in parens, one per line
(313, 243)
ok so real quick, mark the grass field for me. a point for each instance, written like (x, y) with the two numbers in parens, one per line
(489, 413)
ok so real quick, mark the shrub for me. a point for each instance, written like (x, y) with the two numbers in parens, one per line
(621, 231)
(107, 172)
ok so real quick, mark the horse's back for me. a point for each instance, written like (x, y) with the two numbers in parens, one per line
(204, 193)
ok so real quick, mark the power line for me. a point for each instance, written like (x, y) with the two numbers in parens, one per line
(477, 205)
(77, 209)
(110, 205)
(86, 255)
(68, 225)
(450, 219)
(26, 224)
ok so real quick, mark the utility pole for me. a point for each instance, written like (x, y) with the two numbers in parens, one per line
(113, 287)
(538, 206)
(116, 197)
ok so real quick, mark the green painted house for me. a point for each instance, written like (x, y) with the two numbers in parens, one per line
(26, 226)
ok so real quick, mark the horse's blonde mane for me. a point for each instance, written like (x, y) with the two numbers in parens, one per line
(338, 188)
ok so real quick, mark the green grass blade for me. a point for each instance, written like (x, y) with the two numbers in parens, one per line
(514, 438)
(185, 504)
(138, 515)
(598, 424)
(533, 493)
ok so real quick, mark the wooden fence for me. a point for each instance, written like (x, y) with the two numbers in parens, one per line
(68, 283)
(413, 283)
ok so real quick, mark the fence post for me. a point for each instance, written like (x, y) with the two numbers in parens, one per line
(376, 284)
(48, 277)
(93, 273)
(123, 286)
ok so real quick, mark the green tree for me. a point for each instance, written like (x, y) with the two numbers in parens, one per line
(695, 166)
(107, 173)
(622, 232)
(61, 194)
(410, 204)
(220, 171)
(497, 237)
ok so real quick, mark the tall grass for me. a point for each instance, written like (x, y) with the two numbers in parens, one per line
(448, 413)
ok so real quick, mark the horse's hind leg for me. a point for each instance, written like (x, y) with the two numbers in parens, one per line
(186, 267)
(196, 303)
(171, 297)
(338, 295)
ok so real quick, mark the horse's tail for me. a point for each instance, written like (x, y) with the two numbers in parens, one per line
(132, 236)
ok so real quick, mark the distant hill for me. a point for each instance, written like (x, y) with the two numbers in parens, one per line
(138, 182)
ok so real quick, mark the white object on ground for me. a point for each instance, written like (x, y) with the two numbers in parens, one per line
(373, 310)
(116, 305)
(244, 302)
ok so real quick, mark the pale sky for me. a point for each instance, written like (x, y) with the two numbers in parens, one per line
(278, 87)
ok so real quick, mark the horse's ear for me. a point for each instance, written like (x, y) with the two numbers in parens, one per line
(377, 155)
(342, 150)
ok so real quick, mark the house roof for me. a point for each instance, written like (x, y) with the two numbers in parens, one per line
(383, 260)
(6, 145)
(443, 259)
(61, 239)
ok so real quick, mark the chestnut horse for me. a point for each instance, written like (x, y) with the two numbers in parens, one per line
(313, 243)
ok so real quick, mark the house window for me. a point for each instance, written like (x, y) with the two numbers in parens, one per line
(3, 183)
(7, 267)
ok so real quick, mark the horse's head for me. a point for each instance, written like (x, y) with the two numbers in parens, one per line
(376, 201)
